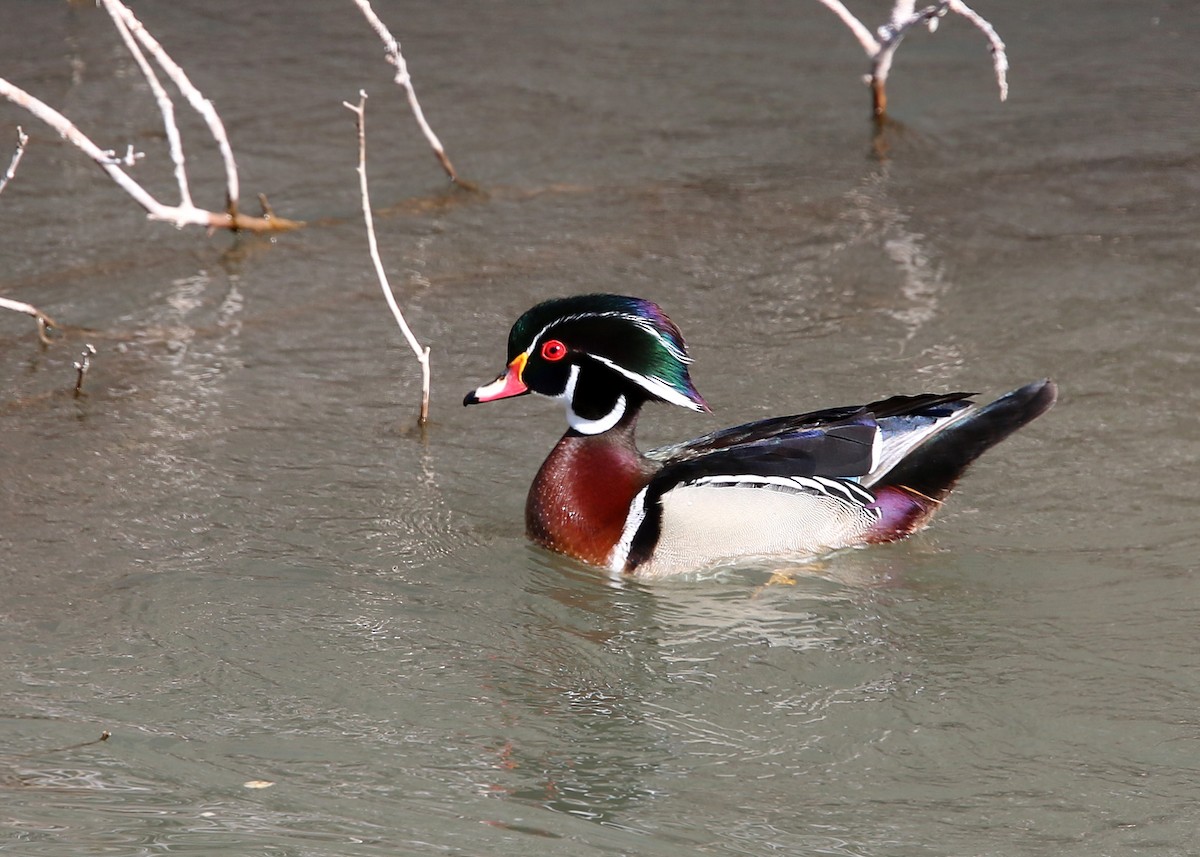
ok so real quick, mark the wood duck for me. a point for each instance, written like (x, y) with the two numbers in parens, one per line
(785, 487)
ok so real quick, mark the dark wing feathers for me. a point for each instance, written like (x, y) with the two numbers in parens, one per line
(769, 431)
(924, 404)
(783, 432)
(933, 467)
(837, 451)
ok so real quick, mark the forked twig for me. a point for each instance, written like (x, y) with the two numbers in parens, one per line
(138, 39)
(104, 736)
(22, 139)
(165, 105)
(422, 353)
(131, 28)
(395, 58)
(882, 50)
(82, 365)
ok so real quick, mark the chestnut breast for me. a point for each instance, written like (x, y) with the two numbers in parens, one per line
(580, 498)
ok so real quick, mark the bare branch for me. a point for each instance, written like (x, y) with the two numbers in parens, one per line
(860, 30)
(422, 353)
(995, 43)
(904, 17)
(892, 35)
(403, 78)
(120, 13)
(22, 139)
(82, 365)
(165, 106)
(44, 322)
(179, 215)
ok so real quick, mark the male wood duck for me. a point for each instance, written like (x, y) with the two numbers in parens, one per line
(793, 486)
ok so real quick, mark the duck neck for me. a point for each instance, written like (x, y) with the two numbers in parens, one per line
(581, 496)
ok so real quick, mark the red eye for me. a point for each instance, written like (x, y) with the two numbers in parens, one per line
(553, 350)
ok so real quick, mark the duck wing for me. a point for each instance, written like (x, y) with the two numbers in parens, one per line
(784, 485)
(804, 435)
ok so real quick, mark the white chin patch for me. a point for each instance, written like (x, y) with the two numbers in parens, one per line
(581, 424)
(585, 426)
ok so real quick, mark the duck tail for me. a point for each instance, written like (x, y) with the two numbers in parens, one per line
(910, 493)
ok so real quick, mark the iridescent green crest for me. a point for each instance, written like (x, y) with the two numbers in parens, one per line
(631, 335)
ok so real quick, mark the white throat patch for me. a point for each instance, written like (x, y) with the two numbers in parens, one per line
(581, 424)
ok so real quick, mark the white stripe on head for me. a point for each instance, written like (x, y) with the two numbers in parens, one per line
(655, 386)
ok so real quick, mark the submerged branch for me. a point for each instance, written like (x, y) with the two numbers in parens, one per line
(905, 16)
(165, 105)
(128, 24)
(179, 215)
(82, 365)
(140, 43)
(44, 322)
(422, 352)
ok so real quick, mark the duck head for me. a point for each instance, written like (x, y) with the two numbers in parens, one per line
(602, 356)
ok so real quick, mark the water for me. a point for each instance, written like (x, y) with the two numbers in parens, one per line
(237, 556)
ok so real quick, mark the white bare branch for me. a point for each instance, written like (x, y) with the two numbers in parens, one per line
(22, 139)
(882, 50)
(179, 215)
(903, 11)
(422, 353)
(43, 321)
(165, 106)
(125, 20)
(995, 43)
(860, 30)
(82, 365)
(891, 35)
(404, 79)
(139, 42)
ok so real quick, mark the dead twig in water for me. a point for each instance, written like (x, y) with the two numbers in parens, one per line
(882, 50)
(81, 368)
(104, 736)
(44, 322)
(139, 42)
(360, 112)
(404, 79)
(22, 139)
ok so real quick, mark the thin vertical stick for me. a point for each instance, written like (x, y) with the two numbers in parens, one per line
(22, 139)
(82, 365)
(392, 47)
(422, 353)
